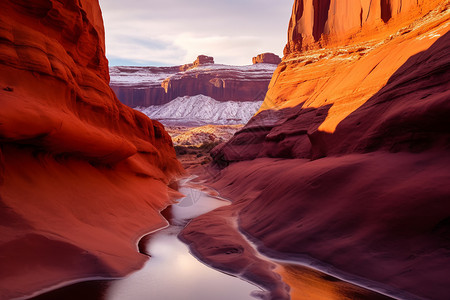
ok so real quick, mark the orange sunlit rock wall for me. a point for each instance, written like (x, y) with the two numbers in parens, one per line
(328, 84)
(345, 70)
(348, 159)
(82, 176)
(318, 23)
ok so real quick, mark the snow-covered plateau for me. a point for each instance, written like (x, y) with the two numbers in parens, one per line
(200, 110)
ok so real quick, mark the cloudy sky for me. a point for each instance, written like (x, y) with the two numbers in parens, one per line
(174, 32)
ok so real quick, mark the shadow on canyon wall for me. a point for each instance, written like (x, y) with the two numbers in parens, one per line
(370, 199)
(408, 114)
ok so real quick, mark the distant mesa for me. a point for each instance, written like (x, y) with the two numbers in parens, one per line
(266, 58)
(147, 86)
(198, 93)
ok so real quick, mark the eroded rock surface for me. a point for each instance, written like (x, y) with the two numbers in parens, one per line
(82, 176)
(347, 161)
(318, 23)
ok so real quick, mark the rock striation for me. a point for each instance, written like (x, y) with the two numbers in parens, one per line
(266, 58)
(141, 86)
(319, 23)
(82, 176)
(146, 86)
(347, 160)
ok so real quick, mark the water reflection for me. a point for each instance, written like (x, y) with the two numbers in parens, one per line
(172, 273)
(309, 284)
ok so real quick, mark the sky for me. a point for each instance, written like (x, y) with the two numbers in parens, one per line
(175, 32)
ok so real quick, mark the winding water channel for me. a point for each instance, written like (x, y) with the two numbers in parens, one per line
(173, 273)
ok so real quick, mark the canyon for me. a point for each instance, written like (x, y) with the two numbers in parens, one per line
(347, 161)
(200, 104)
(341, 176)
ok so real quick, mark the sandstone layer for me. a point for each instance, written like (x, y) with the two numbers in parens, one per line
(146, 86)
(82, 176)
(348, 160)
(141, 86)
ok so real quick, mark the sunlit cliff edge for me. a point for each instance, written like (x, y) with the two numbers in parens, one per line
(82, 176)
(348, 64)
(348, 161)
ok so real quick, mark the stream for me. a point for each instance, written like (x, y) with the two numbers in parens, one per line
(172, 272)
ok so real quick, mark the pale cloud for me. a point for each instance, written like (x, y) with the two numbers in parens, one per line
(173, 32)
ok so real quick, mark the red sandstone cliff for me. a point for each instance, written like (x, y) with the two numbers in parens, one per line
(145, 86)
(348, 160)
(82, 176)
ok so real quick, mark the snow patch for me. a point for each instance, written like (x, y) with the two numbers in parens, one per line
(145, 76)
